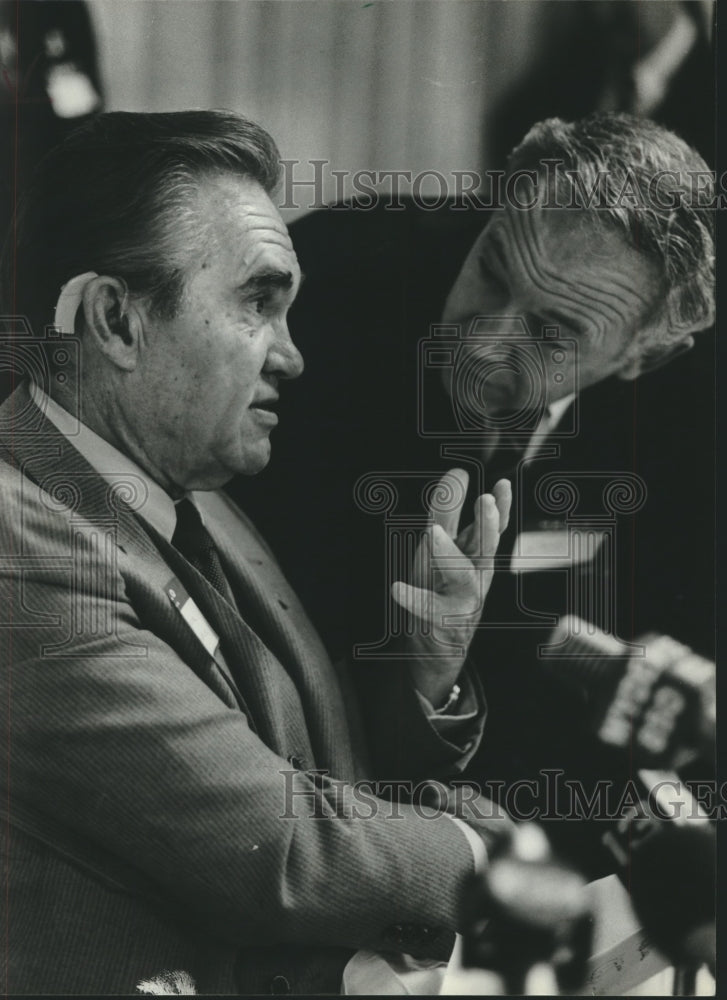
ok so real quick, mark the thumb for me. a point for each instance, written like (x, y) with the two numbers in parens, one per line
(415, 600)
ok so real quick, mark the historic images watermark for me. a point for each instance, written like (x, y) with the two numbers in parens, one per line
(315, 184)
(549, 795)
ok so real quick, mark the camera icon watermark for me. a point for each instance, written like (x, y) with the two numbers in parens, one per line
(500, 377)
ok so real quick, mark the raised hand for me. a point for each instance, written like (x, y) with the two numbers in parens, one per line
(450, 578)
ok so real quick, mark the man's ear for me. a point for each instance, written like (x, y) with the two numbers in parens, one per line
(649, 361)
(111, 321)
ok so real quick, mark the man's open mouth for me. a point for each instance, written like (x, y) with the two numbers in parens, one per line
(270, 405)
(265, 409)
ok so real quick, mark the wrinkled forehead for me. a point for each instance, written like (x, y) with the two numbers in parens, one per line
(564, 238)
(564, 258)
(243, 223)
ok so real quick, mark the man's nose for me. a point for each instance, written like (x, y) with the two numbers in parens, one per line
(284, 358)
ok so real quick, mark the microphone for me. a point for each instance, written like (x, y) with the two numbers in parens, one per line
(525, 914)
(660, 706)
(668, 866)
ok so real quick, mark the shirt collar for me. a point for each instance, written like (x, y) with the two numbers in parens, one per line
(558, 408)
(549, 421)
(153, 504)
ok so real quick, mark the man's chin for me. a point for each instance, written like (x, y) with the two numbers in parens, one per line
(255, 461)
(228, 467)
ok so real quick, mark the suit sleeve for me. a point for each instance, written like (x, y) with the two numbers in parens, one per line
(114, 738)
(406, 739)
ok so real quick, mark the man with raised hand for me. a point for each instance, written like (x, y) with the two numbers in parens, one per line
(523, 332)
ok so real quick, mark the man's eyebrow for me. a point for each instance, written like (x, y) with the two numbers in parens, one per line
(268, 279)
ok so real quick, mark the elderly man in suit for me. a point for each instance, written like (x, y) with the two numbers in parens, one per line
(183, 801)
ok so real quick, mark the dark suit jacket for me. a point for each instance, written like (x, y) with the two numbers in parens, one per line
(376, 282)
(144, 810)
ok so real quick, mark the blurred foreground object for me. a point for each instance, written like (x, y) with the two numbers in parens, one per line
(669, 868)
(528, 918)
(655, 699)
(655, 702)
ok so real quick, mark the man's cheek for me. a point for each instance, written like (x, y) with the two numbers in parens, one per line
(480, 301)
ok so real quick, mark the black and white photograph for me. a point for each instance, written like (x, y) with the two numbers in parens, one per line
(358, 567)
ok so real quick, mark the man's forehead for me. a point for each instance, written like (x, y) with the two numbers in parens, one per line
(571, 256)
(556, 232)
(232, 200)
(243, 222)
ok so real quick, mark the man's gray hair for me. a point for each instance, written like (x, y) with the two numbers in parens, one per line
(633, 175)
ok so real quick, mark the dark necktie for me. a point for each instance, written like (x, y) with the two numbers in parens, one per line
(502, 458)
(192, 539)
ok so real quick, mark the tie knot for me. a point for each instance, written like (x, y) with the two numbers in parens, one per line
(195, 543)
(190, 535)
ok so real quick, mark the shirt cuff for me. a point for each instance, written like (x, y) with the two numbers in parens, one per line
(477, 845)
(465, 710)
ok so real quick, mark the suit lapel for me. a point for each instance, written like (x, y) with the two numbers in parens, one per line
(284, 627)
(53, 466)
(251, 668)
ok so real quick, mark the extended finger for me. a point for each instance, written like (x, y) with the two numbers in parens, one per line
(502, 492)
(487, 526)
(447, 500)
